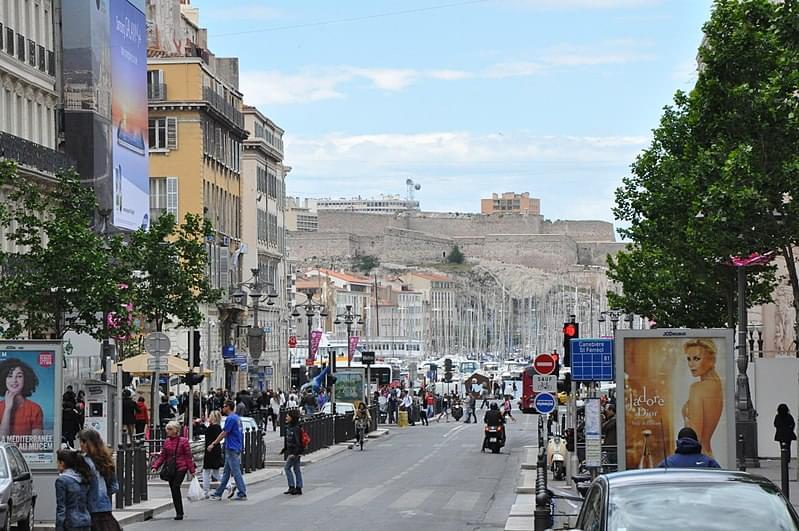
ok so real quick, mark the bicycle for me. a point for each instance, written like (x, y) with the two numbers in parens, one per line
(360, 430)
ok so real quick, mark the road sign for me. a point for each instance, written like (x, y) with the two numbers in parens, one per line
(157, 344)
(267, 330)
(592, 360)
(292, 341)
(269, 371)
(545, 383)
(160, 364)
(367, 357)
(544, 364)
(545, 403)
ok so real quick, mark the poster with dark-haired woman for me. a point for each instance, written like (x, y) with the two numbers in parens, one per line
(675, 379)
(27, 401)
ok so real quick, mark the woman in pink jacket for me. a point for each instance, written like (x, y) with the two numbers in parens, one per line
(176, 459)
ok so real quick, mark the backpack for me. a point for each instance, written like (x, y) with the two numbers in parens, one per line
(305, 439)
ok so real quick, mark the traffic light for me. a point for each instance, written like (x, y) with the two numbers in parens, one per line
(571, 330)
(195, 354)
(447, 370)
(192, 379)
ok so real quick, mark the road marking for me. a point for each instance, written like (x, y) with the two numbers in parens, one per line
(265, 494)
(454, 430)
(411, 499)
(312, 496)
(363, 496)
(462, 501)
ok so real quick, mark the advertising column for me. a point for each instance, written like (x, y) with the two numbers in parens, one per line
(131, 202)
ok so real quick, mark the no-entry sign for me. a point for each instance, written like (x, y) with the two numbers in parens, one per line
(544, 364)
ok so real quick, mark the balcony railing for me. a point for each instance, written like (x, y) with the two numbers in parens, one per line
(223, 107)
(156, 91)
(33, 155)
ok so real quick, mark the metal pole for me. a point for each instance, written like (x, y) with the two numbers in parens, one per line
(191, 388)
(785, 453)
(118, 409)
(572, 411)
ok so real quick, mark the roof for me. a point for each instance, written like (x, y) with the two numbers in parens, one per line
(347, 277)
(681, 475)
(431, 276)
(307, 283)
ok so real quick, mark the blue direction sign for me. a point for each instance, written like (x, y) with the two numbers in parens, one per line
(545, 403)
(592, 360)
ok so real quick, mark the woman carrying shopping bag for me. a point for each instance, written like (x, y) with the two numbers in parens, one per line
(175, 461)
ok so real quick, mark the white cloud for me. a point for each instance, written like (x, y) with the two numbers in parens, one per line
(449, 75)
(685, 73)
(456, 168)
(512, 69)
(273, 87)
(391, 79)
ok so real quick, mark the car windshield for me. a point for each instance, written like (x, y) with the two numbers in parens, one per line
(698, 506)
(3, 466)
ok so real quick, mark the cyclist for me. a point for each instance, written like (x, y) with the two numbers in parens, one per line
(362, 421)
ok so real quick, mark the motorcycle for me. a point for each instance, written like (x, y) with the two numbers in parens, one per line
(493, 439)
(556, 457)
(457, 412)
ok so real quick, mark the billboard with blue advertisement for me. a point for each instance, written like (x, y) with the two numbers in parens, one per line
(30, 399)
(129, 135)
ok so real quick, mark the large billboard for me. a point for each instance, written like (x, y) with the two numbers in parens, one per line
(30, 399)
(130, 172)
(349, 385)
(674, 378)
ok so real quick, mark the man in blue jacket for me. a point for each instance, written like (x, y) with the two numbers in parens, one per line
(688, 453)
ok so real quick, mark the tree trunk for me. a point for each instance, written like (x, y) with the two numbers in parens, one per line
(790, 263)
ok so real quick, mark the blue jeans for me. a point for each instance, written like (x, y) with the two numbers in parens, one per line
(293, 465)
(232, 466)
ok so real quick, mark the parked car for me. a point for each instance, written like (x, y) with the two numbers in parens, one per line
(247, 423)
(685, 499)
(17, 495)
(342, 408)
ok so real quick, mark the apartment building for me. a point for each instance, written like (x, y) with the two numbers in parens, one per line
(511, 203)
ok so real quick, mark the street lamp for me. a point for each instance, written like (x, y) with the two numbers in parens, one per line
(255, 333)
(614, 315)
(310, 309)
(349, 319)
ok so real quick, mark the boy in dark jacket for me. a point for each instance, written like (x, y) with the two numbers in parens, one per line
(292, 450)
(688, 453)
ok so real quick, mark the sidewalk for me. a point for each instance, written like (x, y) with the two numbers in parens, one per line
(770, 469)
(160, 500)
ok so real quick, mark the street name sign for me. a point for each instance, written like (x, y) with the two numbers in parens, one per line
(545, 383)
(592, 360)
(160, 364)
(545, 403)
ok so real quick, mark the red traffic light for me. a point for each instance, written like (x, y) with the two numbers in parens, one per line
(570, 330)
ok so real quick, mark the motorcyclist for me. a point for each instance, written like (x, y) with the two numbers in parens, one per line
(361, 417)
(493, 417)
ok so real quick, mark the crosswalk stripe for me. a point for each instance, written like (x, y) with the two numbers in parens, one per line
(411, 499)
(312, 496)
(265, 494)
(462, 501)
(363, 496)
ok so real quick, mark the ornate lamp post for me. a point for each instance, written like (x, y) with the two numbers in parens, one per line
(349, 318)
(310, 309)
(255, 332)
(614, 315)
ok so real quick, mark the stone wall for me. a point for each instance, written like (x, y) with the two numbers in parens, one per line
(596, 253)
(413, 247)
(312, 245)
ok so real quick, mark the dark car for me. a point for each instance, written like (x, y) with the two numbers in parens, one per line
(17, 496)
(684, 499)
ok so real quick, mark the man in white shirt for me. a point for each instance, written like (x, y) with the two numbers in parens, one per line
(406, 405)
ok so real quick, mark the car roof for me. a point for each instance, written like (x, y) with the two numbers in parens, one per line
(681, 475)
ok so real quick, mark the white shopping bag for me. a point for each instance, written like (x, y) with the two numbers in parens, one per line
(195, 491)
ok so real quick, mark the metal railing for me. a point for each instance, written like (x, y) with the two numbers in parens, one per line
(320, 429)
(223, 107)
(542, 515)
(33, 155)
(253, 455)
(131, 470)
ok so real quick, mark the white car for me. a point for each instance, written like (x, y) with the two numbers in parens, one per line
(247, 423)
(342, 408)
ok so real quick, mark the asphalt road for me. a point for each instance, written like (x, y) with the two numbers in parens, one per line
(432, 476)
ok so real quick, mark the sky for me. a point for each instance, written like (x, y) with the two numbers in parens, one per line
(551, 97)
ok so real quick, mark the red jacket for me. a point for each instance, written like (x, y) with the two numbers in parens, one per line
(184, 458)
(142, 414)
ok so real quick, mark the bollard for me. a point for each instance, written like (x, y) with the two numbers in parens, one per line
(785, 458)
(128, 475)
(136, 472)
(541, 514)
(741, 453)
(144, 471)
(120, 501)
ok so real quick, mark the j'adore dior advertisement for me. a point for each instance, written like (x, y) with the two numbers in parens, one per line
(673, 379)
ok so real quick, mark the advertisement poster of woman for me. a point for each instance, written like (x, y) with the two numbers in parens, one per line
(29, 412)
(675, 379)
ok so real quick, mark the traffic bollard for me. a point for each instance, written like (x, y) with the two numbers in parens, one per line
(120, 501)
(128, 451)
(741, 453)
(785, 458)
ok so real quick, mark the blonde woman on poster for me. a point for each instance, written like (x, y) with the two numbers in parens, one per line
(705, 402)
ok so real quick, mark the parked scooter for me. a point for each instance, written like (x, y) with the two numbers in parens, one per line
(493, 439)
(556, 457)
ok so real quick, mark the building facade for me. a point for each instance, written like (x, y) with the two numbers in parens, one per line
(384, 204)
(511, 203)
(301, 216)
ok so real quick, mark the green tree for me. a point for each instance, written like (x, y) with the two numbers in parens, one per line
(455, 256)
(171, 280)
(365, 263)
(59, 278)
(720, 176)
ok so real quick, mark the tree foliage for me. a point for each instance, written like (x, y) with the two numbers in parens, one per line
(455, 256)
(720, 177)
(365, 263)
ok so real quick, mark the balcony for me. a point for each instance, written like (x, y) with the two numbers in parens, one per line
(156, 91)
(221, 106)
(32, 155)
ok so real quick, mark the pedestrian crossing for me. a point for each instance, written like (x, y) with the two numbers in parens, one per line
(394, 499)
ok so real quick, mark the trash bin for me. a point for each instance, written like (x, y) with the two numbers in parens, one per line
(402, 420)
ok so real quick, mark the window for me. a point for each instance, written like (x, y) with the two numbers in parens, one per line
(156, 89)
(31, 53)
(163, 196)
(42, 59)
(51, 63)
(163, 133)
(20, 47)
(2, 35)
(10, 41)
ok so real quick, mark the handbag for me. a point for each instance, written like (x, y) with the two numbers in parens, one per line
(170, 468)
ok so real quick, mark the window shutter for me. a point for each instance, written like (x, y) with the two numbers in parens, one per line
(171, 133)
(172, 195)
(224, 269)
